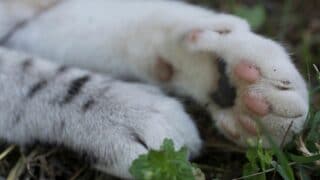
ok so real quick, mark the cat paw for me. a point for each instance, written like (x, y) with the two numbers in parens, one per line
(257, 82)
(146, 119)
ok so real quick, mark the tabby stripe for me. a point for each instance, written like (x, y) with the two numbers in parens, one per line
(62, 69)
(139, 140)
(26, 64)
(37, 87)
(88, 104)
(74, 88)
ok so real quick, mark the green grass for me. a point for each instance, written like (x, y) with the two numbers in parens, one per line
(166, 163)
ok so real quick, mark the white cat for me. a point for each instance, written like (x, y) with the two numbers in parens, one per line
(211, 57)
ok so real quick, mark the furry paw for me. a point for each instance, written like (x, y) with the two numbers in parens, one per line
(241, 76)
(257, 81)
(143, 120)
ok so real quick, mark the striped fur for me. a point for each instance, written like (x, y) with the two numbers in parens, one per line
(87, 112)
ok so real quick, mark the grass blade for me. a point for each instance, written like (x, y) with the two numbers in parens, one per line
(7, 151)
(304, 159)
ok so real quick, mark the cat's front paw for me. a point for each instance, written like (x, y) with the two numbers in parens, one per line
(140, 121)
(257, 82)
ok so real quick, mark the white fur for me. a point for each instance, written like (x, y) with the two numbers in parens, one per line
(107, 131)
(15, 12)
(275, 66)
(124, 39)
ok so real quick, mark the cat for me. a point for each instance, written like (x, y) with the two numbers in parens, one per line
(214, 58)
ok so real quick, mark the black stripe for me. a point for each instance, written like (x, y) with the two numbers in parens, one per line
(74, 88)
(139, 140)
(26, 64)
(225, 94)
(62, 69)
(36, 88)
(88, 104)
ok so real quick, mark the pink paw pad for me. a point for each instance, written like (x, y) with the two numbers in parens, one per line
(257, 105)
(193, 36)
(248, 124)
(247, 72)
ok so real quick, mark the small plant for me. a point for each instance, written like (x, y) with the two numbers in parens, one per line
(262, 161)
(259, 159)
(165, 163)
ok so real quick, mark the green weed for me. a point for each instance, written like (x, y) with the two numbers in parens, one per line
(165, 163)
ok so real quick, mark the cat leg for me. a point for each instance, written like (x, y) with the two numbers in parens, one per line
(111, 121)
